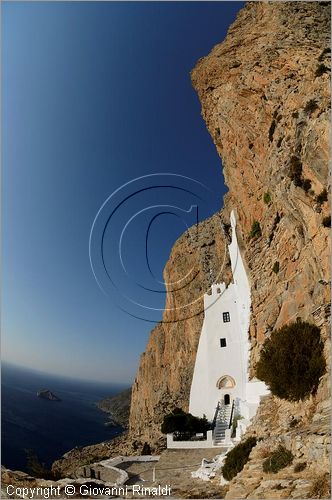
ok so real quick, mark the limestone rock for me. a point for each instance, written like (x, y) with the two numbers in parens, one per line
(118, 407)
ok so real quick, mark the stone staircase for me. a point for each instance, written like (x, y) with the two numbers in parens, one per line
(222, 423)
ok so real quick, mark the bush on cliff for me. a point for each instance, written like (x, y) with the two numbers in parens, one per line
(292, 361)
(278, 460)
(322, 196)
(300, 466)
(295, 171)
(306, 185)
(327, 221)
(276, 267)
(184, 424)
(324, 54)
(311, 106)
(256, 231)
(237, 458)
(267, 198)
(321, 69)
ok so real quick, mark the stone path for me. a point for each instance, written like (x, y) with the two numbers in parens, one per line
(175, 467)
(138, 472)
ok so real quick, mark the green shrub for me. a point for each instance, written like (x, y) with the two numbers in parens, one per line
(267, 198)
(184, 423)
(237, 458)
(256, 231)
(300, 466)
(292, 361)
(311, 106)
(276, 267)
(327, 221)
(322, 197)
(278, 460)
(321, 69)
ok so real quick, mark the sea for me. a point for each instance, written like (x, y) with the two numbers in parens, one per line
(49, 428)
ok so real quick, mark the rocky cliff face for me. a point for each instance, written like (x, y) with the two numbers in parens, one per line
(118, 407)
(266, 106)
(265, 99)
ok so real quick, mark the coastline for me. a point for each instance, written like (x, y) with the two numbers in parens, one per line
(117, 407)
(46, 428)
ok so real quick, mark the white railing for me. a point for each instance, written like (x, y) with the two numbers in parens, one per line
(203, 443)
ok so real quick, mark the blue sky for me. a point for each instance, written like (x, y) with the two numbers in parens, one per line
(93, 96)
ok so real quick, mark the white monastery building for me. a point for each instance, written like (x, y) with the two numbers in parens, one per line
(220, 386)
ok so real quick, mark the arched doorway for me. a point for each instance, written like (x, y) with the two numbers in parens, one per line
(227, 399)
(226, 382)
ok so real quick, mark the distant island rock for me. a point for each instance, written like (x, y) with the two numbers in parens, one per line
(118, 407)
(46, 394)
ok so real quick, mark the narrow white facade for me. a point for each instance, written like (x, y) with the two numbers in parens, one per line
(221, 367)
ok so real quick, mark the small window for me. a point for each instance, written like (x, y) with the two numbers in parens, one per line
(226, 317)
(222, 342)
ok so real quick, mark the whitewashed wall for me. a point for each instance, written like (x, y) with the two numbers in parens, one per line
(214, 361)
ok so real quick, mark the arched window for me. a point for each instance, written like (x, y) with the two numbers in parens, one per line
(226, 382)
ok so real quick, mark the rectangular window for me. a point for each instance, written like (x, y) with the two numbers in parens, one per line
(226, 317)
(222, 342)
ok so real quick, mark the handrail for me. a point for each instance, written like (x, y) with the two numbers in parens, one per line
(214, 421)
(231, 417)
